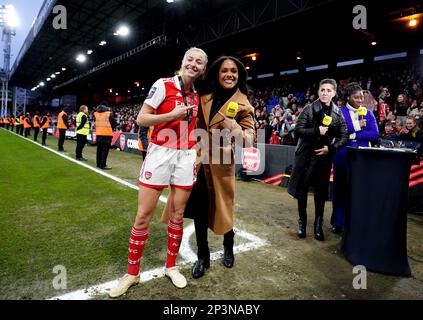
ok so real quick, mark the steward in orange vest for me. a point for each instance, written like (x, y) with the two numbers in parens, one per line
(62, 125)
(12, 122)
(37, 125)
(45, 124)
(20, 126)
(27, 125)
(104, 126)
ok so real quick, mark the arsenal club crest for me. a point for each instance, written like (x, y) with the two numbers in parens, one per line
(148, 175)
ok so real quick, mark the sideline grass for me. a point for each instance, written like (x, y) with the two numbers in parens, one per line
(55, 212)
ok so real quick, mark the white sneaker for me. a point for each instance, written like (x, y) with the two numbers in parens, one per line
(177, 278)
(123, 285)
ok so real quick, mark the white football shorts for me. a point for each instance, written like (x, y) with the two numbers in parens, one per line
(165, 166)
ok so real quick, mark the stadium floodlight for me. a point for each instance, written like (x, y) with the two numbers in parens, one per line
(41, 84)
(48, 79)
(63, 69)
(58, 72)
(81, 58)
(123, 31)
(102, 43)
(170, 1)
(412, 23)
(89, 52)
(12, 19)
(53, 76)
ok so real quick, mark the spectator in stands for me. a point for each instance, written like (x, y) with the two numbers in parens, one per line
(401, 108)
(413, 110)
(416, 92)
(412, 133)
(105, 123)
(287, 131)
(399, 127)
(321, 131)
(389, 132)
(385, 95)
(419, 118)
(363, 132)
(82, 131)
(62, 125)
(213, 207)
(171, 106)
(383, 110)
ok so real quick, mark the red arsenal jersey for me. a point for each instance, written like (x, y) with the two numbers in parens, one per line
(164, 96)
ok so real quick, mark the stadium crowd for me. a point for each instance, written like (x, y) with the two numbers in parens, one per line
(392, 93)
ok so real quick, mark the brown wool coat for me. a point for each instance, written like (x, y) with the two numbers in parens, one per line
(221, 177)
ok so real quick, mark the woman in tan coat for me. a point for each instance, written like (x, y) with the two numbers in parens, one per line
(211, 203)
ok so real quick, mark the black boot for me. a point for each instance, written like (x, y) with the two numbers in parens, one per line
(228, 249)
(302, 226)
(228, 257)
(318, 229)
(199, 267)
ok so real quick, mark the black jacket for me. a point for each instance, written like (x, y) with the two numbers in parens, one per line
(307, 131)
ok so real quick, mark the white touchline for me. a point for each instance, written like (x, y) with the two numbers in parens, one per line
(185, 251)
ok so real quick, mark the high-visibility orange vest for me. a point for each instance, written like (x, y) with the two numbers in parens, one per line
(12, 121)
(36, 121)
(46, 125)
(27, 123)
(21, 120)
(60, 123)
(102, 124)
(6, 120)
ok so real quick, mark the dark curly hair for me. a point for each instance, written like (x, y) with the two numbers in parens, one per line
(350, 89)
(211, 81)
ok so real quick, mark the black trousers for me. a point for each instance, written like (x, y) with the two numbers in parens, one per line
(319, 180)
(103, 146)
(201, 228)
(62, 136)
(44, 137)
(27, 132)
(81, 140)
(21, 129)
(36, 131)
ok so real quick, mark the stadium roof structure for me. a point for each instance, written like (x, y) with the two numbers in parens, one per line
(160, 32)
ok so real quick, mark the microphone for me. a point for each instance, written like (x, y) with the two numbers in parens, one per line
(327, 120)
(362, 111)
(232, 109)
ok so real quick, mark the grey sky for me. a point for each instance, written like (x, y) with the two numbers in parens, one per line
(27, 11)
